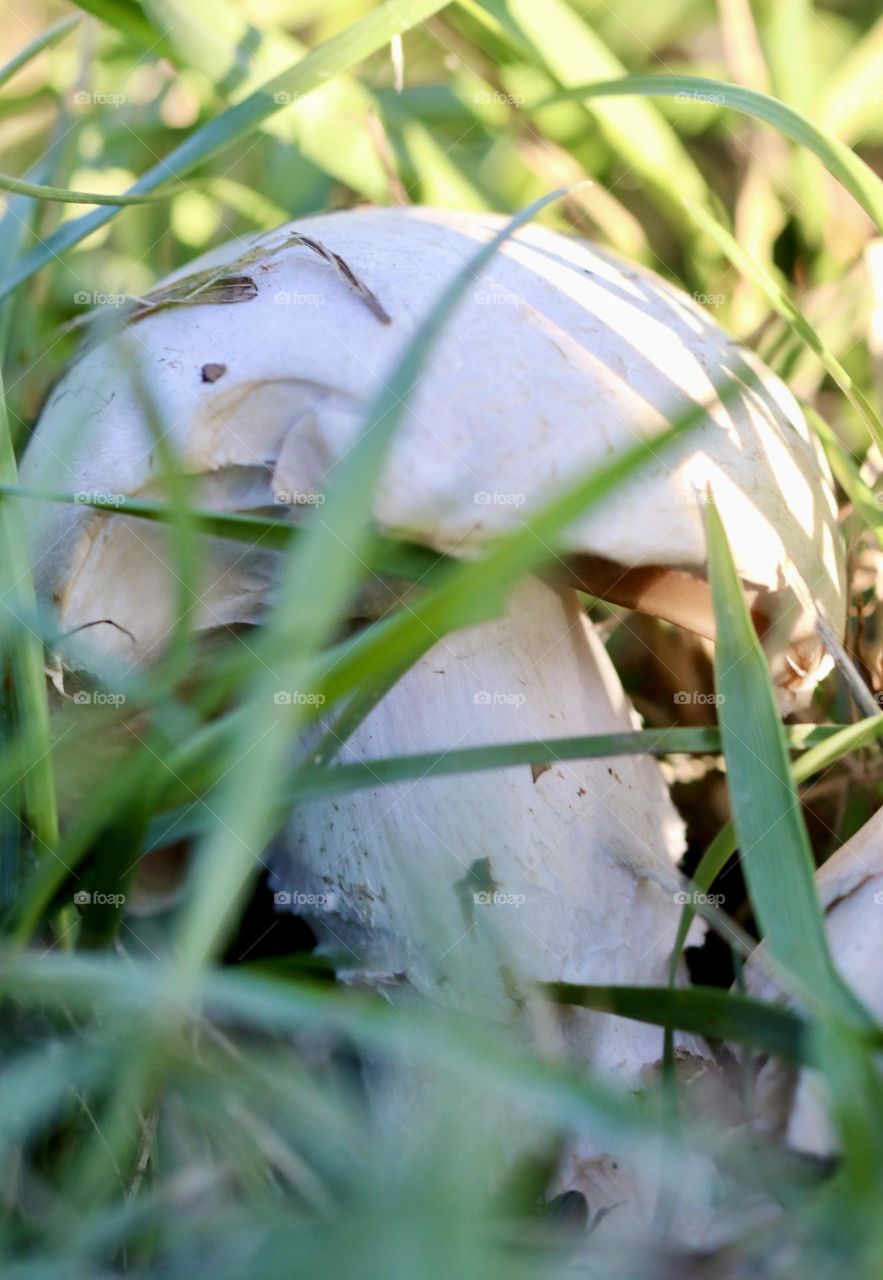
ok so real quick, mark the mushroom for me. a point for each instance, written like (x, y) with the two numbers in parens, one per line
(259, 361)
(792, 1104)
(258, 365)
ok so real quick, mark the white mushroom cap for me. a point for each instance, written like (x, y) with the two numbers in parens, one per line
(850, 886)
(559, 357)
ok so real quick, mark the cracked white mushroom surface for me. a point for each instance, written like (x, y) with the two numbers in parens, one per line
(558, 357)
(792, 1104)
(473, 887)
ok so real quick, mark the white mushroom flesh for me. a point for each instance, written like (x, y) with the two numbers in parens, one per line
(559, 357)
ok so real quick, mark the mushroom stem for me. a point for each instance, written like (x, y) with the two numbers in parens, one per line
(474, 889)
(470, 891)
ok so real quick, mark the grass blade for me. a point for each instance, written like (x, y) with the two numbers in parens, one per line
(819, 756)
(776, 855)
(791, 314)
(235, 55)
(571, 50)
(45, 40)
(787, 37)
(268, 1004)
(24, 655)
(320, 783)
(63, 195)
(706, 1011)
(399, 559)
(127, 17)
(850, 100)
(315, 69)
(848, 168)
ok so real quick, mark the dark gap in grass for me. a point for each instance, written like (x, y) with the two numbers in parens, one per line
(265, 933)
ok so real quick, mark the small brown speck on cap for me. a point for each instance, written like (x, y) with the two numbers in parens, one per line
(211, 372)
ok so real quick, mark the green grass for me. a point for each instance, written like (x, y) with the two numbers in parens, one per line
(190, 1093)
